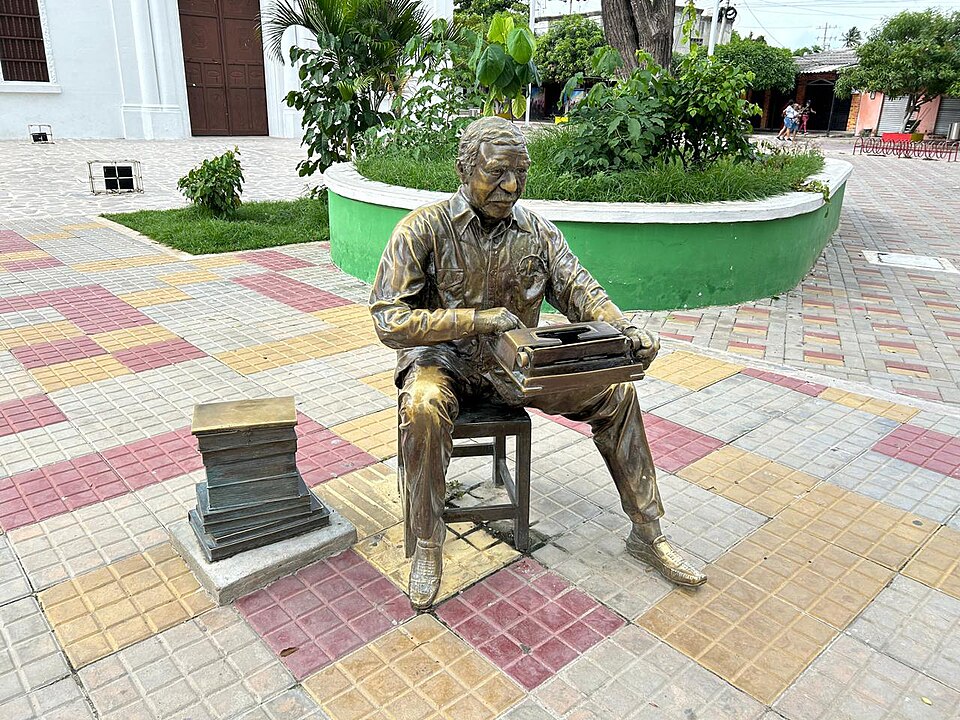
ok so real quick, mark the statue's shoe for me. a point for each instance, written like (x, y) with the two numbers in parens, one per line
(660, 554)
(425, 571)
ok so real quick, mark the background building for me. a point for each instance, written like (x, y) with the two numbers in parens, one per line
(148, 69)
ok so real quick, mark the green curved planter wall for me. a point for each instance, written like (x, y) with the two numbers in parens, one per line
(643, 266)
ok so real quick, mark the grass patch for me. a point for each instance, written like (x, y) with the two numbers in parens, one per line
(255, 225)
(662, 181)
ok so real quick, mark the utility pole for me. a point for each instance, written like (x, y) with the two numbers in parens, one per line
(826, 28)
(533, 19)
(713, 28)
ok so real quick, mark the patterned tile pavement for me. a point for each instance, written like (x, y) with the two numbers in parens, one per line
(825, 507)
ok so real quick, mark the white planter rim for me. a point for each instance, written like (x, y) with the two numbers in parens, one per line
(344, 180)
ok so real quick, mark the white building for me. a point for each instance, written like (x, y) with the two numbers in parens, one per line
(149, 69)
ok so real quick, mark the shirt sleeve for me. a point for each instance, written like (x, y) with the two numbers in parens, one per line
(399, 290)
(572, 290)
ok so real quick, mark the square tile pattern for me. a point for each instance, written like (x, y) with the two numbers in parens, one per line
(114, 607)
(212, 667)
(417, 671)
(469, 554)
(29, 655)
(691, 370)
(937, 565)
(528, 621)
(61, 700)
(375, 434)
(368, 498)
(929, 449)
(324, 611)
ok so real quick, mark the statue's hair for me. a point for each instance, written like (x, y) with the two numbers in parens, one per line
(489, 129)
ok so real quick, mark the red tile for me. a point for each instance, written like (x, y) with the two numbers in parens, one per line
(581, 427)
(807, 388)
(27, 414)
(677, 336)
(929, 449)
(14, 242)
(322, 454)
(292, 292)
(339, 622)
(157, 355)
(155, 459)
(274, 260)
(35, 495)
(675, 446)
(58, 351)
(31, 264)
(94, 309)
(539, 636)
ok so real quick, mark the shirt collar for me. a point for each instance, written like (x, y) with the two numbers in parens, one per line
(463, 215)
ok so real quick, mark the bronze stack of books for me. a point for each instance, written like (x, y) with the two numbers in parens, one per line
(254, 494)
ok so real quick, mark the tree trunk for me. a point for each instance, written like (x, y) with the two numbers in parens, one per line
(634, 24)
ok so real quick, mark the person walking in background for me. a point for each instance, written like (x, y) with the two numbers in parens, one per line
(805, 112)
(790, 114)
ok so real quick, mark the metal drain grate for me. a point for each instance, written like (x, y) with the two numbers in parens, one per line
(912, 262)
(115, 176)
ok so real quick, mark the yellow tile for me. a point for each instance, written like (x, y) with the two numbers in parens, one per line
(874, 406)
(463, 563)
(35, 334)
(938, 562)
(751, 480)
(127, 338)
(114, 607)
(417, 670)
(49, 236)
(382, 382)
(871, 529)
(909, 373)
(216, 261)
(354, 318)
(756, 642)
(375, 433)
(83, 226)
(691, 370)
(23, 255)
(270, 355)
(160, 296)
(189, 277)
(124, 263)
(751, 351)
(368, 498)
(78, 372)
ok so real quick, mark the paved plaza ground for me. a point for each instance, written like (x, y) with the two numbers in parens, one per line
(823, 499)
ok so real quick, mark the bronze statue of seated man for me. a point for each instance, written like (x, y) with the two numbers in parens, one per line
(453, 276)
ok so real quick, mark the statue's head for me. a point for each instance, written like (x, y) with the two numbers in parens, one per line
(492, 163)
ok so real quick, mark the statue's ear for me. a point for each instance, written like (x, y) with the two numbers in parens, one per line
(460, 172)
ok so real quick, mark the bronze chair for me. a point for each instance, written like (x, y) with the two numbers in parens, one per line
(498, 422)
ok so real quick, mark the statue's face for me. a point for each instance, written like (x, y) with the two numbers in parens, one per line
(497, 180)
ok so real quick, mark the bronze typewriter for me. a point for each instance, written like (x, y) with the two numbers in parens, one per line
(556, 358)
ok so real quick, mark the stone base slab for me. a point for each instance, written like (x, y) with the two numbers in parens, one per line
(228, 579)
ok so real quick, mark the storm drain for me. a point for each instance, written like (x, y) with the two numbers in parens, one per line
(912, 262)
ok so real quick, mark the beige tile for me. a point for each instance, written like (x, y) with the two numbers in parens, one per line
(691, 370)
(375, 433)
(874, 406)
(938, 562)
(368, 498)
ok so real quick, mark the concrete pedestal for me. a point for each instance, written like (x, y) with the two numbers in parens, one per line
(229, 579)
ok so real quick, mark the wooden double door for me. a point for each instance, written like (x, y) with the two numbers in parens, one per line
(223, 59)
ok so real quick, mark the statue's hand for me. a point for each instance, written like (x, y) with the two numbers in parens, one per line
(495, 321)
(645, 344)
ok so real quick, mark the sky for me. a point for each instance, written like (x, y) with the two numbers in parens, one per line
(791, 24)
(800, 23)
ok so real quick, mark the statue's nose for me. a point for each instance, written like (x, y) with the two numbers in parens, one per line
(509, 182)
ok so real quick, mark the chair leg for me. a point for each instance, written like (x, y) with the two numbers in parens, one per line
(499, 458)
(409, 539)
(521, 526)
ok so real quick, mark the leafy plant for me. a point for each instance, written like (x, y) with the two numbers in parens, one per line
(476, 14)
(360, 64)
(215, 184)
(567, 47)
(771, 67)
(503, 62)
(916, 54)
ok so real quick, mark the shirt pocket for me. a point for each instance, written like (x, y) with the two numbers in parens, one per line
(531, 273)
(450, 286)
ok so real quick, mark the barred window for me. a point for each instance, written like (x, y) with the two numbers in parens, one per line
(22, 55)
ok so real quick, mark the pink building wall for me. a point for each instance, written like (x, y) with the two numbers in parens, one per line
(869, 114)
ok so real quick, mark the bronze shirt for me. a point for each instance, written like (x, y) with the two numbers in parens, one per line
(439, 267)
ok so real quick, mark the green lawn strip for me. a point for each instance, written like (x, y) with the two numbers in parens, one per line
(255, 225)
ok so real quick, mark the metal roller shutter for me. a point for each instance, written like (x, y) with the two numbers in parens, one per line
(891, 115)
(949, 113)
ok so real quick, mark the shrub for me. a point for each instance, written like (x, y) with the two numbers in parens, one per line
(215, 184)
(566, 48)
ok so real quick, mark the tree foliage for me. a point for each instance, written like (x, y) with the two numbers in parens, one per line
(808, 50)
(566, 48)
(503, 62)
(771, 67)
(476, 14)
(362, 64)
(916, 54)
(852, 38)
